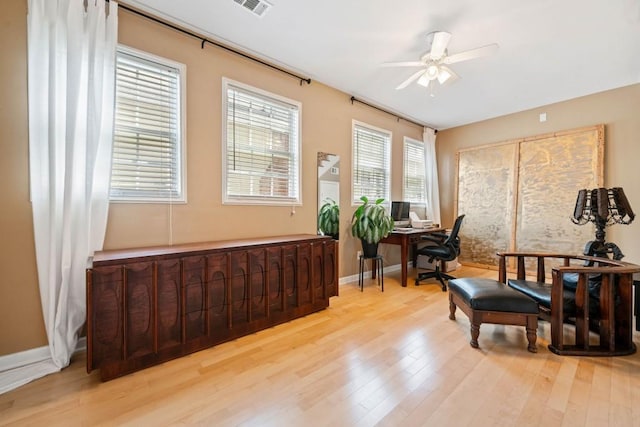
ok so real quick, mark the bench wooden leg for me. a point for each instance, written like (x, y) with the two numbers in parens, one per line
(532, 333)
(475, 333)
(452, 308)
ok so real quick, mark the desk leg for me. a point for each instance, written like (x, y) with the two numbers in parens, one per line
(636, 307)
(414, 255)
(404, 248)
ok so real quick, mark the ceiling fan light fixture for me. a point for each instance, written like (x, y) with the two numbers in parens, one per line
(424, 80)
(432, 72)
(443, 75)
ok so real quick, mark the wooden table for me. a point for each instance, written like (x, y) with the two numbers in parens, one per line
(407, 240)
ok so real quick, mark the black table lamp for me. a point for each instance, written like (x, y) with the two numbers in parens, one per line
(603, 207)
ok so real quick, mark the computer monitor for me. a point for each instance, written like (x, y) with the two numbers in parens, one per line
(400, 211)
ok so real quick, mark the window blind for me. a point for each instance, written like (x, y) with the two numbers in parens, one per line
(262, 148)
(371, 163)
(147, 164)
(414, 171)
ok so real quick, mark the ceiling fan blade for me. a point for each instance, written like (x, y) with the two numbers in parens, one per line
(410, 80)
(439, 45)
(471, 54)
(403, 64)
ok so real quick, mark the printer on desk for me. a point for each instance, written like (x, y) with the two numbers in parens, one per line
(416, 222)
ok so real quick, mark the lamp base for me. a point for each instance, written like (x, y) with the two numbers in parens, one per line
(601, 249)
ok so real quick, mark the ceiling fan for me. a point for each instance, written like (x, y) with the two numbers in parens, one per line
(433, 64)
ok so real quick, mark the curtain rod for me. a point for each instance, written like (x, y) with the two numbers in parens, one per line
(212, 42)
(354, 99)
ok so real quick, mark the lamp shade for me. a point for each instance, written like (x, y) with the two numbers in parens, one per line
(601, 205)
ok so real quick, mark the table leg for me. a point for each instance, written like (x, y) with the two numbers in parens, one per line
(414, 255)
(403, 260)
(636, 309)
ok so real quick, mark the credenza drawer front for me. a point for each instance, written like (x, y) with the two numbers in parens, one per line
(239, 288)
(169, 324)
(194, 297)
(258, 283)
(330, 272)
(317, 278)
(290, 265)
(276, 280)
(140, 309)
(105, 315)
(304, 274)
(218, 298)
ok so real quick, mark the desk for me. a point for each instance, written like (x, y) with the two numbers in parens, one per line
(404, 239)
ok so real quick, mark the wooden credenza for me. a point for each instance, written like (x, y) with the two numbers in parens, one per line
(149, 305)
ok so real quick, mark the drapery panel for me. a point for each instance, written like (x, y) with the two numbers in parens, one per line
(71, 60)
(432, 192)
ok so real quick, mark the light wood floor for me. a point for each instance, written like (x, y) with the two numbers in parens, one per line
(372, 358)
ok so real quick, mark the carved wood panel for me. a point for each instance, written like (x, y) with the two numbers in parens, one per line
(289, 261)
(218, 300)
(304, 274)
(276, 280)
(239, 288)
(106, 314)
(194, 288)
(169, 324)
(140, 309)
(258, 283)
(330, 272)
(317, 278)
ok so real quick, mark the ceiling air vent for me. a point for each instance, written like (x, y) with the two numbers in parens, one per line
(257, 7)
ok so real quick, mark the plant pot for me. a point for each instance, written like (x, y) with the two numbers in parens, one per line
(369, 250)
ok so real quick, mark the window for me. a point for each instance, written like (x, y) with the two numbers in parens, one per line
(371, 163)
(414, 173)
(262, 147)
(148, 146)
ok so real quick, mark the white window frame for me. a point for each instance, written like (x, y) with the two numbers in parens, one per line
(295, 148)
(417, 144)
(181, 149)
(388, 138)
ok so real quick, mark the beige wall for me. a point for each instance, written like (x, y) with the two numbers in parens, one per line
(616, 109)
(327, 116)
(21, 326)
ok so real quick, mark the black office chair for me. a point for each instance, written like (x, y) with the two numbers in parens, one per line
(447, 248)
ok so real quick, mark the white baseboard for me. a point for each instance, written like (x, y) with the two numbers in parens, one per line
(23, 358)
(35, 355)
(354, 277)
(17, 369)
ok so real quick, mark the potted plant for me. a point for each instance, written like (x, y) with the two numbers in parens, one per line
(371, 223)
(329, 219)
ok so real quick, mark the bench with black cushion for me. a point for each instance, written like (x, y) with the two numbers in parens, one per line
(489, 301)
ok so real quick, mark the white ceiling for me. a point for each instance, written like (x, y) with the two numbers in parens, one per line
(550, 50)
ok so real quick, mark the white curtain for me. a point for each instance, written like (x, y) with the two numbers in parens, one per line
(431, 174)
(71, 78)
